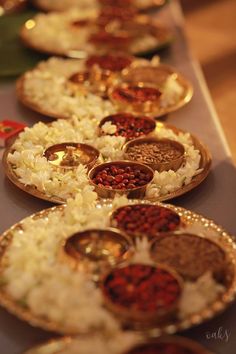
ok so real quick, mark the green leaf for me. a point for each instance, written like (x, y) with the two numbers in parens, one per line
(14, 57)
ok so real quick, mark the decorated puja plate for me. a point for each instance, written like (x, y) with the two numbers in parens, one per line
(167, 164)
(100, 82)
(100, 272)
(128, 345)
(63, 5)
(75, 35)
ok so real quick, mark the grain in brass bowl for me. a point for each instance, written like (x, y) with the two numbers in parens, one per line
(108, 245)
(128, 125)
(159, 154)
(145, 220)
(138, 98)
(156, 75)
(142, 294)
(71, 155)
(168, 344)
(121, 177)
(191, 256)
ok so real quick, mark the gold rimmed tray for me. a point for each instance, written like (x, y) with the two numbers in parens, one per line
(205, 164)
(160, 112)
(146, 6)
(208, 229)
(55, 346)
(162, 35)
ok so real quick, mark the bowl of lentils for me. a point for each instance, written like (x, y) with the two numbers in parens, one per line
(121, 177)
(159, 154)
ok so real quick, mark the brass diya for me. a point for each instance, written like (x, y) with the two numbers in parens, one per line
(71, 155)
(164, 155)
(98, 245)
(96, 80)
(107, 191)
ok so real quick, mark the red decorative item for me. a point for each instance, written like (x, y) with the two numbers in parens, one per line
(8, 129)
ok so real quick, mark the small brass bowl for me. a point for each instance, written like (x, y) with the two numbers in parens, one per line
(108, 246)
(141, 222)
(108, 192)
(148, 74)
(178, 345)
(114, 117)
(138, 98)
(191, 256)
(129, 305)
(70, 155)
(155, 165)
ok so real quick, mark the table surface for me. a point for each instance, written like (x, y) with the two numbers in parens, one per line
(215, 198)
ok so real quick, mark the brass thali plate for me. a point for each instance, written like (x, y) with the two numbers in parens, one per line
(205, 165)
(55, 346)
(185, 98)
(189, 218)
(162, 41)
(146, 6)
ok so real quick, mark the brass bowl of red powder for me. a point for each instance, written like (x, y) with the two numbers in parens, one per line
(138, 98)
(107, 246)
(121, 177)
(70, 155)
(169, 345)
(159, 154)
(145, 220)
(128, 125)
(142, 295)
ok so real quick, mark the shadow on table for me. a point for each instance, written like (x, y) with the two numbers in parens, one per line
(209, 199)
(17, 336)
(218, 333)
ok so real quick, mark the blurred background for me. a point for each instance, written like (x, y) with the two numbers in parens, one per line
(211, 30)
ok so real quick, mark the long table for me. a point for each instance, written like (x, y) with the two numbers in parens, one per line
(215, 198)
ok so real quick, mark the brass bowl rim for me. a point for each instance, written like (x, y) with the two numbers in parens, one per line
(141, 315)
(154, 140)
(113, 230)
(80, 146)
(113, 213)
(120, 162)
